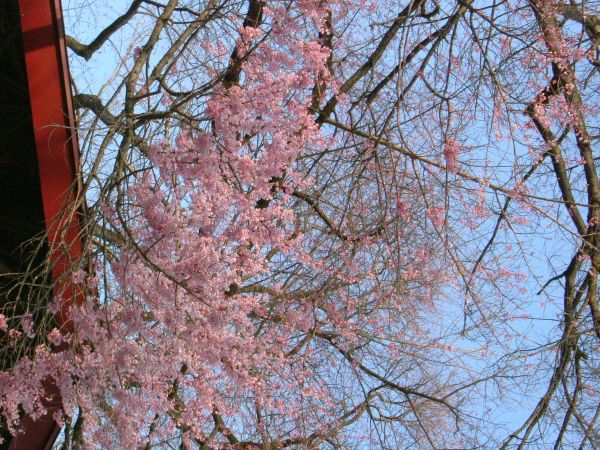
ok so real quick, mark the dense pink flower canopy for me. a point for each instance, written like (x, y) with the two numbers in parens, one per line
(321, 227)
(196, 218)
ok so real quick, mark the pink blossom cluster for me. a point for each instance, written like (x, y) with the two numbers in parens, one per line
(452, 150)
(173, 334)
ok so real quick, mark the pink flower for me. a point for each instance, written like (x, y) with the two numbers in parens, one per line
(15, 334)
(166, 100)
(27, 325)
(55, 337)
(451, 152)
(78, 276)
(437, 216)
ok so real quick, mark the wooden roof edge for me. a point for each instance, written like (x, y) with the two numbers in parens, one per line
(57, 152)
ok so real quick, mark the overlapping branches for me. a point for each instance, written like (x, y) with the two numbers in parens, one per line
(355, 205)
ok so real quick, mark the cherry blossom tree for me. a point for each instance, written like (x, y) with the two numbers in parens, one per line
(327, 224)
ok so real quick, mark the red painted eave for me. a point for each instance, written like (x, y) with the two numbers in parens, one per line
(58, 160)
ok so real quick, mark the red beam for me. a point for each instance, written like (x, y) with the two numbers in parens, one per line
(58, 160)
